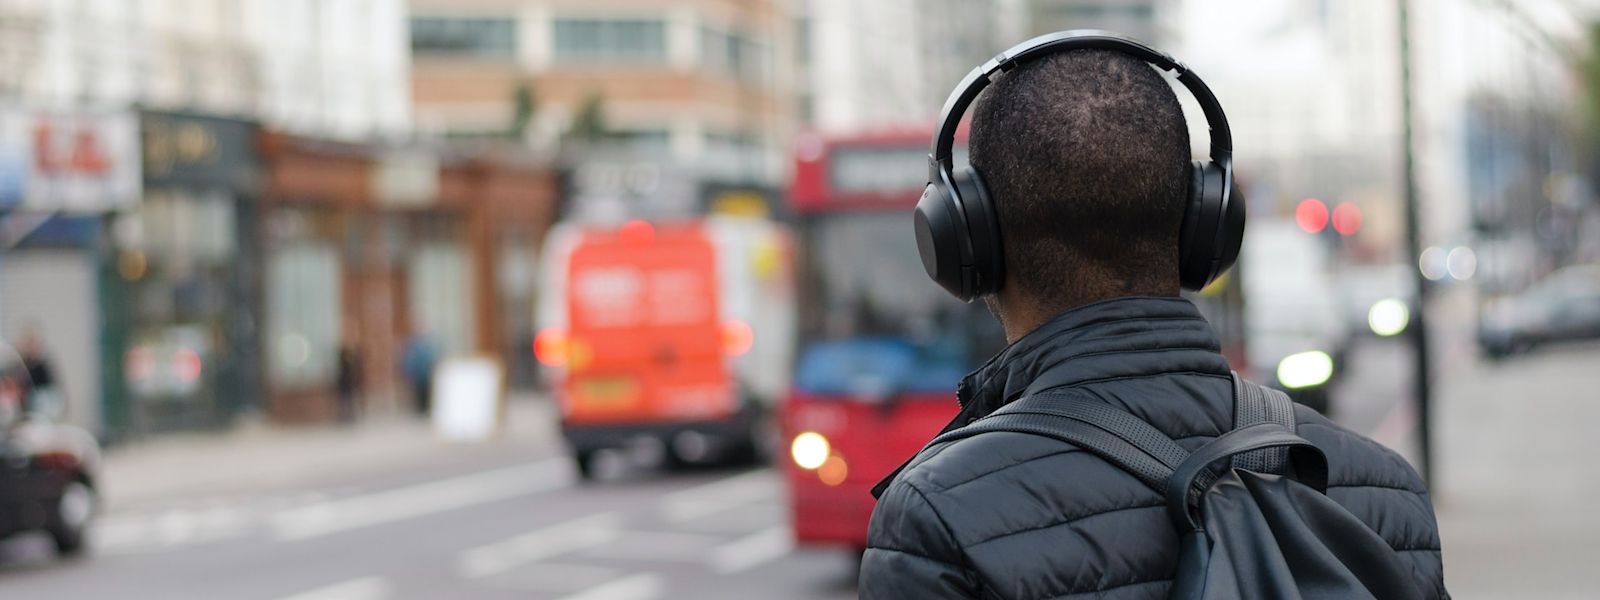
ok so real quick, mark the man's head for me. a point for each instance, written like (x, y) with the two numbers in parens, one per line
(1086, 154)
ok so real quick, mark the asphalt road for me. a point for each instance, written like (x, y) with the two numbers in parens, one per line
(515, 524)
(519, 526)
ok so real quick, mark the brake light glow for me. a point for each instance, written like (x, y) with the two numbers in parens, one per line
(736, 338)
(833, 471)
(550, 347)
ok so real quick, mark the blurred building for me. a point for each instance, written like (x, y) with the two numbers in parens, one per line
(1313, 94)
(335, 68)
(890, 63)
(705, 84)
(1145, 20)
(371, 248)
(129, 183)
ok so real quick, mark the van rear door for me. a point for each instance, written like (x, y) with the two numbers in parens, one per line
(645, 343)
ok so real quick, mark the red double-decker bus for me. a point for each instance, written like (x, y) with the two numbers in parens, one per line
(881, 347)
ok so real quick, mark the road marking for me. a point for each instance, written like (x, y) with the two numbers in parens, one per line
(365, 588)
(639, 586)
(667, 546)
(719, 496)
(546, 578)
(345, 514)
(503, 556)
(757, 548)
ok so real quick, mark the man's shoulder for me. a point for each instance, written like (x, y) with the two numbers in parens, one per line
(1355, 460)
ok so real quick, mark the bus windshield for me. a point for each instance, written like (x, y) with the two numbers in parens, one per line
(873, 324)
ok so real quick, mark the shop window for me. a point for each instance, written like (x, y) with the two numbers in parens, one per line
(303, 314)
(441, 296)
(610, 40)
(494, 37)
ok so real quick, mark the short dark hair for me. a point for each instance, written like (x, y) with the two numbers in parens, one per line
(1086, 156)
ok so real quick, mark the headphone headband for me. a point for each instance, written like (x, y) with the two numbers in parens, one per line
(979, 78)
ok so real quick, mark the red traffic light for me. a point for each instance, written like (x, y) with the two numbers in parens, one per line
(1346, 218)
(1311, 215)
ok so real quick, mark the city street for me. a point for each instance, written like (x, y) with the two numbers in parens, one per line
(506, 521)
(509, 520)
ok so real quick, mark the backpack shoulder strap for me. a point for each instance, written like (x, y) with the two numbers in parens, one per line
(1110, 433)
(1254, 404)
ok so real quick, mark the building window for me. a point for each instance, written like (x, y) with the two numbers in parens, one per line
(464, 37)
(732, 54)
(649, 142)
(802, 39)
(611, 40)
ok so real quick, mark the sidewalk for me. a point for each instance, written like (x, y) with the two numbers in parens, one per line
(256, 458)
(1517, 477)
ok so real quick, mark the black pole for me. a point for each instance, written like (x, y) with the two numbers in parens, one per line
(1419, 324)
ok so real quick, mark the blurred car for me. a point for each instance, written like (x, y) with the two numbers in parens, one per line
(1563, 306)
(1296, 332)
(48, 470)
(1377, 299)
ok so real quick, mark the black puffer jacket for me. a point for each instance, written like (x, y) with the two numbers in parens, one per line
(1011, 515)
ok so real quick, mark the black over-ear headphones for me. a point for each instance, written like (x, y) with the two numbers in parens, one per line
(958, 230)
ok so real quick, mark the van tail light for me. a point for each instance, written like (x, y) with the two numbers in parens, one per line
(550, 347)
(737, 338)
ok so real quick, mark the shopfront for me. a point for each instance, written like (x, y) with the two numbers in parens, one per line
(188, 260)
(372, 248)
(61, 175)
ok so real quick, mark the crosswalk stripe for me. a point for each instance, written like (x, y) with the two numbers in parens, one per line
(345, 514)
(639, 586)
(719, 496)
(364, 588)
(752, 550)
(534, 546)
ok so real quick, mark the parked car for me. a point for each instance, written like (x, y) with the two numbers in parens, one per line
(48, 470)
(1563, 306)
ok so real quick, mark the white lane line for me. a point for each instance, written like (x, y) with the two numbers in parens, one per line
(364, 588)
(534, 546)
(757, 548)
(336, 516)
(719, 496)
(639, 586)
(663, 546)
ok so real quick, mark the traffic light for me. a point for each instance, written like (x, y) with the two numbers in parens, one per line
(1346, 218)
(1311, 215)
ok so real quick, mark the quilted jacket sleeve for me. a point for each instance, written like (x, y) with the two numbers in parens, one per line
(911, 553)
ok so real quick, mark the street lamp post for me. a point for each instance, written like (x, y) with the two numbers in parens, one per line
(1419, 328)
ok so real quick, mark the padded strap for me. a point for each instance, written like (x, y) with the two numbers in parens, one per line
(1255, 404)
(1101, 429)
(1098, 428)
(1311, 466)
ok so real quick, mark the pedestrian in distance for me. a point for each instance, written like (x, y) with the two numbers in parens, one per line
(347, 380)
(418, 362)
(1109, 451)
(43, 395)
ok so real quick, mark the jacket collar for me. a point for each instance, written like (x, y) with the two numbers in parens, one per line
(1110, 339)
(1102, 340)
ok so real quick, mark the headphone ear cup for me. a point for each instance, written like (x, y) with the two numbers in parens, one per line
(937, 227)
(1233, 222)
(1200, 246)
(983, 225)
